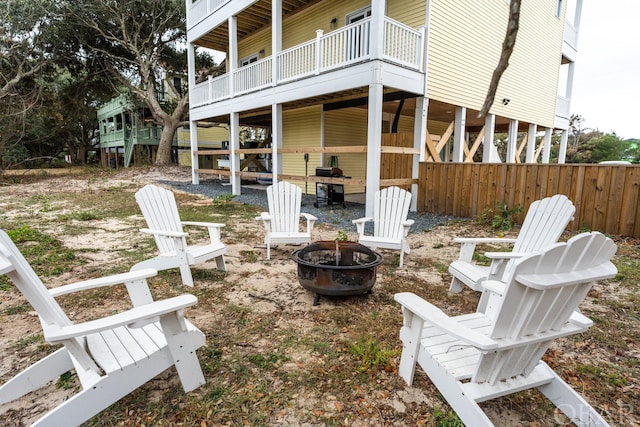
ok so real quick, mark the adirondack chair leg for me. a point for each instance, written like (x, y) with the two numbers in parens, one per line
(183, 351)
(570, 402)
(410, 337)
(36, 375)
(220, 265)
(103, 393)
(466, 408)
(456, 286)
(185, 273)
(166, 263)
(401, 258)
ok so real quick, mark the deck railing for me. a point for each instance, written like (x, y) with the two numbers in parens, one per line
(351, 44)
(252, 77)
(200, 9)
(298, 61)
(562, 107)
(403, 44)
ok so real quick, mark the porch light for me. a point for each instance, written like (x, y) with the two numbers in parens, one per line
(334, 23)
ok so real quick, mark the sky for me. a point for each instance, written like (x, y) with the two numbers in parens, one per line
(606, 87)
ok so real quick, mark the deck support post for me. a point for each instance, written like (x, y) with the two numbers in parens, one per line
(512, 141)
(546, 150)
(234, 157)
(459, 134)
(419, 138)
(374, 141)
(531, 142)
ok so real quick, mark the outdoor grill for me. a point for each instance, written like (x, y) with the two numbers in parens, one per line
(336, 268)
(326, 192)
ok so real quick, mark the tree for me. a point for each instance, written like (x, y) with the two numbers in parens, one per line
(575, 129)
(138, 43)
(507, 49)
(598, 147)
(22, 58)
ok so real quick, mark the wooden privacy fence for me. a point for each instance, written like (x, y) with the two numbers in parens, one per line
(606, 196)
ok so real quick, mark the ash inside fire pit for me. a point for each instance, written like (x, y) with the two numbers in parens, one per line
(336, 268)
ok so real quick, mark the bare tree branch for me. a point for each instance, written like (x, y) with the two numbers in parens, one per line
(507, 50)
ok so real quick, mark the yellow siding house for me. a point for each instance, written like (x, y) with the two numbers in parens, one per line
(373, 87)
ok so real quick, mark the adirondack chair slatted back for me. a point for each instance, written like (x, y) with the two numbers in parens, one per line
(542, 293)
(390, 209)
(13, 264)
(158, 205)
(544, 223)
(284, 201)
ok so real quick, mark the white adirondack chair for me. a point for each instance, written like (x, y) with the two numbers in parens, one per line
(477, 357)
(112, 356)
(543, 225)
(390, 223)
(158, 205)
(282, 222)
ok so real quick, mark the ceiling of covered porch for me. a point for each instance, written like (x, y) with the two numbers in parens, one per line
(249, 21)
(357, 98)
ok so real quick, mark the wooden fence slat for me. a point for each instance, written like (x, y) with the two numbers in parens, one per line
(614, 204)
(607, 197)
(630, 209)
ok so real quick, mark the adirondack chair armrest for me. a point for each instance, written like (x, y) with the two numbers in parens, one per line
(504, 255)
(136, 315)
(499, 262)
(202, 224)
(468, 245)
(266, 220)
(492, 292)
(264, 216)
(115, 279)
(310, 220)
(213, 227)
(580, 319)
(556, 280)
(164, 232)
(360, 222)
(436, 317)
(478, 240)
(406, 225)
(495, 286)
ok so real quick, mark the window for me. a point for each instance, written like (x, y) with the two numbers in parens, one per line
(248, 60)
(358, 15)
(358, 36)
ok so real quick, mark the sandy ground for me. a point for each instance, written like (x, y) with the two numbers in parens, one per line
(264, 286)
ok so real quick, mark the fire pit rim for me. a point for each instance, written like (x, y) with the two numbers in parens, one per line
(337, 280)
(379, 259)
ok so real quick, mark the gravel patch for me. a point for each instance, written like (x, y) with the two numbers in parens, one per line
(334, 215)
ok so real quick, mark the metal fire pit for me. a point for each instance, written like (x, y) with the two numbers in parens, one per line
(336, 268)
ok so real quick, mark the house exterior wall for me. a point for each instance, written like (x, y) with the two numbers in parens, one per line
(465, 41)
(410, 12)
(301, 128)
(208, 137)
(254, 43)
(302, 26)
(348, 127)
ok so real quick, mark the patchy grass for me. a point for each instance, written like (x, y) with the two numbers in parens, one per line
(333, 365)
